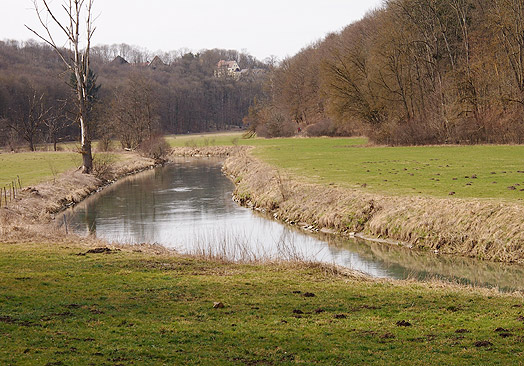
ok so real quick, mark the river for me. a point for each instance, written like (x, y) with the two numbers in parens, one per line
(187, 206)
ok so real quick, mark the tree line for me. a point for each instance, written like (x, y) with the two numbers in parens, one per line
(410, 72)
(130, 97)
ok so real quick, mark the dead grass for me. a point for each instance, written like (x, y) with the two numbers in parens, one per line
(486, 229)
(205, 151)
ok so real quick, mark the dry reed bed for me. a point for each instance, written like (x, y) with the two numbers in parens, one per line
(485, 229)
(207, 151)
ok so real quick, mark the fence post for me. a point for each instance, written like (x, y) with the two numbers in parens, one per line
(65, 224)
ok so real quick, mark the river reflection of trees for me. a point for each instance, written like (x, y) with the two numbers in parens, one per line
(402, 262)
(136, 201)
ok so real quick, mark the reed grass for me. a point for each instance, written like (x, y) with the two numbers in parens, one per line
(230, 247)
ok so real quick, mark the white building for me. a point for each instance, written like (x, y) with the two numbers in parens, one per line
(227, 68)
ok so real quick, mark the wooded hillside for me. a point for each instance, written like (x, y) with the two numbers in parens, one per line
(133, 93)
(413, 72)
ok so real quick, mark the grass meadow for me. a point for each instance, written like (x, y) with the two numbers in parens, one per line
(481, 171)
(35, 167)
(60, 305)
(63, 305)
(461, 171)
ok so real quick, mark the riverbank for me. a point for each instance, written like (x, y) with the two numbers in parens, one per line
(207, 151)
(31, 214)
(485, 229)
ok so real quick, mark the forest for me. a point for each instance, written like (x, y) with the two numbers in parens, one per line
(132, 93)
(411, 72)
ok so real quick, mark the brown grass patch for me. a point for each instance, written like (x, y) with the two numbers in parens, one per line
(205, 151)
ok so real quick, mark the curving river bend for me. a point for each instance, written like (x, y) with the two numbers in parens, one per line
(187, 206)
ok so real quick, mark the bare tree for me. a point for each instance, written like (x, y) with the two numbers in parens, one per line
(55, 122)
(133, 113)
(76, 14)
(30, 121)
(509, 24)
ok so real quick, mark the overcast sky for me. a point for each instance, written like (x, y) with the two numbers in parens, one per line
(262, 28)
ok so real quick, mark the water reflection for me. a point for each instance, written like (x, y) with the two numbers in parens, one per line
(402, 263)
(187, 206)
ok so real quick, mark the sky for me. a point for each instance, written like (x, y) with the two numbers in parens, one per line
(262, 28)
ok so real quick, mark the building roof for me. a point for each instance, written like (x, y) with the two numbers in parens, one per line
(119, 60)
(228, 64)
(157, 61)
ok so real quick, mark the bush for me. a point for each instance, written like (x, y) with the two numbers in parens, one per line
(103, 166)
(278, 127)
(155, 148)
(105, 144)
(326, 127)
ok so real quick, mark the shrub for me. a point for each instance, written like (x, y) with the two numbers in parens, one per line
(103, 166)
(105, 144)
(156, 148)
(325, 127)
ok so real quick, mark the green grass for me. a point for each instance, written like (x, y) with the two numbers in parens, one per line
(220, 139)
(468, 171)
(133, 308)
(485, 171)
(35, 167)
(59, 308)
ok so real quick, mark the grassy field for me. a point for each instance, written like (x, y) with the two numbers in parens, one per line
(34, 167)
(216, 139)
(131, 308)
(459, 171)
(462, 171)
(62, 306)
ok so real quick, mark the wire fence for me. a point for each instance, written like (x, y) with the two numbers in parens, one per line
(9, 192)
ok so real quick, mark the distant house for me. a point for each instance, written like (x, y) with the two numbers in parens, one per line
(228, 68)
(156, 63)
(119, 60)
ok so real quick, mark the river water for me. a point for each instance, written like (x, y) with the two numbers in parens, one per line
(187, 206)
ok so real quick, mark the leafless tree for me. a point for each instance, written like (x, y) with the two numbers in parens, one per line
(133, 112)
(26, 119)
(71, 20)
(55, 121)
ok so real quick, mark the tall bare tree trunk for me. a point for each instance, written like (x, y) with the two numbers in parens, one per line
(71, 25)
